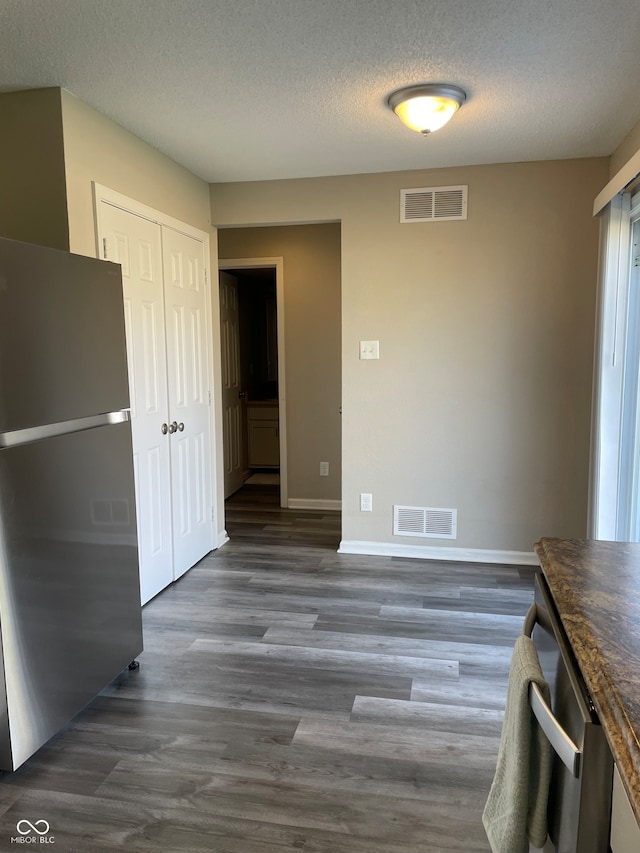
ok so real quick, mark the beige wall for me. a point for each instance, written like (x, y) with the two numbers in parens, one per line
(311, 263)
(32, 180)
(53, 146)
(97, 149)
(481, 398)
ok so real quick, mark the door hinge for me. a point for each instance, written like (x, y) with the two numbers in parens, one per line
(213, 514)
(104, 248)
(206, 276)
(210, 397)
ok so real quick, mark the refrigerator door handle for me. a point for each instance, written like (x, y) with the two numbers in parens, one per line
(18, 437)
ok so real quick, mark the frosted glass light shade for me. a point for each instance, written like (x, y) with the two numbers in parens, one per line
(426, 108)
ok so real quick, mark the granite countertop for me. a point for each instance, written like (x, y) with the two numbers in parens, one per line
(596, 589)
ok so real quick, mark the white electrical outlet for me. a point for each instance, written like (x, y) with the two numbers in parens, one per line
(366, 502)
(324, 469)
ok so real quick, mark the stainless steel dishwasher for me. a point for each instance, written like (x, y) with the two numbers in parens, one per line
(579, 811)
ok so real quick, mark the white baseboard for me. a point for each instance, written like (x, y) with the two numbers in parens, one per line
(431, 552)
(314, 503)
(223, 537)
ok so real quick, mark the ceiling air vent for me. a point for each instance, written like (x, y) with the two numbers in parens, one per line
(425, 521)
(431, 204)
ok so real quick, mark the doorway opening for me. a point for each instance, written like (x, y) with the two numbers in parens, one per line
(252, 342)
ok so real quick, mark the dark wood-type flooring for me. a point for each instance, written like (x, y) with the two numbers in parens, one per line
(290, 698)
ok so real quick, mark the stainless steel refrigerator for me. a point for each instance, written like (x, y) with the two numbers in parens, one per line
(70, 617)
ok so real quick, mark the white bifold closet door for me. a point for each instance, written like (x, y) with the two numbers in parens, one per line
(186, 322)
(166, 316)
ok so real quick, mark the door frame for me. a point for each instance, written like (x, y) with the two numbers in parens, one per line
(130, 205)
(277, 264)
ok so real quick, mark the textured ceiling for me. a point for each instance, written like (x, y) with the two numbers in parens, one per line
(241, 90)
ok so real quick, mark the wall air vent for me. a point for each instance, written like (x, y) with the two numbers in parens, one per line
(424, 521)
(433, 204)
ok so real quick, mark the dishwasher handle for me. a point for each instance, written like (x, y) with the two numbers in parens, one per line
(562, 744)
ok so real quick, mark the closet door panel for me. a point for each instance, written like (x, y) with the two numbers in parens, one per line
(186, 310)
(135, 243)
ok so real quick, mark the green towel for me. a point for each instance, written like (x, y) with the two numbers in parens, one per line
(516, 809)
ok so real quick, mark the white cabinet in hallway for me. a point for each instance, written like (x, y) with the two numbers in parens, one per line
(167, 318)
(264, 441)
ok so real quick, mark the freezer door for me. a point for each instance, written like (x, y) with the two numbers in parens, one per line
(70, 617)
(62, 340)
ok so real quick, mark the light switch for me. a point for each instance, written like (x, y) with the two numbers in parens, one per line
(369, 349)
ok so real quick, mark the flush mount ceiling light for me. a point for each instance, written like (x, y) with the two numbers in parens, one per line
(427, 107)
